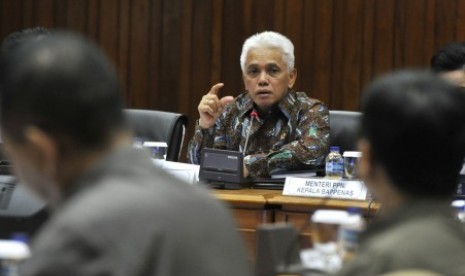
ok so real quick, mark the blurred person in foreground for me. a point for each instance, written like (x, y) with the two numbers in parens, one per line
(114, 213)
(291, 131)
(449, 62)
(15, 39)
(413, 145)
(12, 225)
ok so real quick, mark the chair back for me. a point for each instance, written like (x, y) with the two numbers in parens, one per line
(162, 126)
(344, 129)
(277, 249)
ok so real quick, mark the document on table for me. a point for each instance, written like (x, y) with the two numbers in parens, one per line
(187, 172)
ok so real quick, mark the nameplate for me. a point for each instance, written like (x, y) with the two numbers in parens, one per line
(321, 187)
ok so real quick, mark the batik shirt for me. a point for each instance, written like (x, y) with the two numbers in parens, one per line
(293, 135)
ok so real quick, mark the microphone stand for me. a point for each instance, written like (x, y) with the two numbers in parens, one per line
(253, 115)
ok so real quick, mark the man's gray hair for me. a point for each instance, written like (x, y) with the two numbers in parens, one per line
(269, 39)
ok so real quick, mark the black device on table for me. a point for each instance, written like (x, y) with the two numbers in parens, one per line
(223, 169)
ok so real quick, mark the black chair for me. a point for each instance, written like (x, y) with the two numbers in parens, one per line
(344, 129)
(154, 125)
(277, 249)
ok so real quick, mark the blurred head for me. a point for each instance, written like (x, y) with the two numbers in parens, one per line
(449, 62)
(413, 129)
(267, 62)
(14, 40)
(59, 98)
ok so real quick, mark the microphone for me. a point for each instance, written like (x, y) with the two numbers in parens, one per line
(253, 115)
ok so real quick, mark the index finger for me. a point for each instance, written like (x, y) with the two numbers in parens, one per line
(216, 88)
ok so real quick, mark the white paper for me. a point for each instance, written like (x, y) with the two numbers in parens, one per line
(151, 144)
(187, 172)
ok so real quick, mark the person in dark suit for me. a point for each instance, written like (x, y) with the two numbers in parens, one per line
(114, 213)
(288, 130)
(413, 146)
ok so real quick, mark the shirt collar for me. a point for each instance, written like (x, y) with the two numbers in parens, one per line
(245, 104)
(110, 164)
(405, 212)
(285, 105)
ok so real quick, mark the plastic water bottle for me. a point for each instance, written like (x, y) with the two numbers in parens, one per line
(350, 231)
(334, 163)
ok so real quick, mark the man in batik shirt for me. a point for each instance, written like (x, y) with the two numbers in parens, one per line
(276, 128)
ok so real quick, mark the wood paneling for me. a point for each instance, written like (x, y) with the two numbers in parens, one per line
(168, 53)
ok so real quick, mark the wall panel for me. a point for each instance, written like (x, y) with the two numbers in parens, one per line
(138, 77)
(11, 13)
(185, 78)
(309, 31)
(45, 12)
(367, 55)
(201, 54)
(123, 43)
(351, 55)
(168, 53)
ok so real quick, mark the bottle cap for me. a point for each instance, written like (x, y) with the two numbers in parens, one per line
(334, 148)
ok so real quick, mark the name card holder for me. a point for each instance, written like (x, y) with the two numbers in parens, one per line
(327, 188)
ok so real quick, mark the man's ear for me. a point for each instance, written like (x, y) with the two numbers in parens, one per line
(292, 77)
(244, 82)
(46, 149)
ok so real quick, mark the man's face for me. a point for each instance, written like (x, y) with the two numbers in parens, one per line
(266, 77)
(456, 77)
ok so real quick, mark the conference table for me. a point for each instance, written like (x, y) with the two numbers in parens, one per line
(254, 207)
